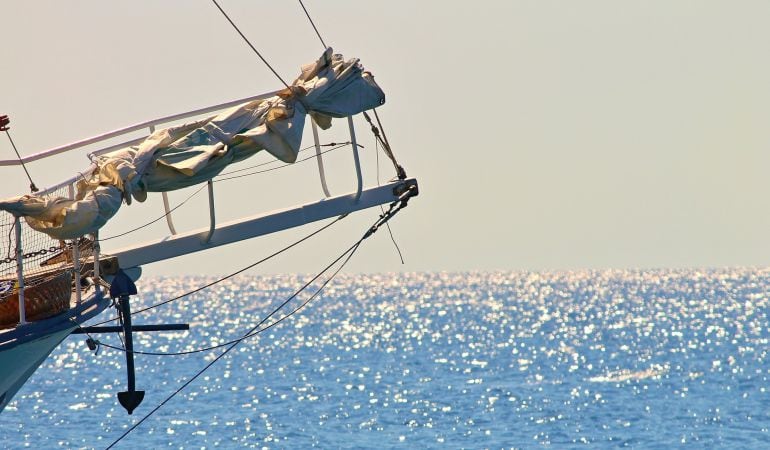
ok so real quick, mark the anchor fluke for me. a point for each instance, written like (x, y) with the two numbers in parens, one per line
(122, 285)
(130, 399)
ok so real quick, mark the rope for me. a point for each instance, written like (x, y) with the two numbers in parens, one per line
(313, 24)
(337, 146)
(278, 167)
(249, 43)
(227, 173)
(206, 367)
(383, 219)
(385, 145)
(32, 186)
(390, 232)
(206, 286)
(253, 331)
(275, 161)
(377, 116)
(159, 218)
(395, 207)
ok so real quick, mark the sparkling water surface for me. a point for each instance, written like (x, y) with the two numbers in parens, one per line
(644, 359)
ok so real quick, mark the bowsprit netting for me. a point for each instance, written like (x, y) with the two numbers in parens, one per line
(48, 267)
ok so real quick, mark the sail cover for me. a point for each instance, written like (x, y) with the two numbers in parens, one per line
(184, 155)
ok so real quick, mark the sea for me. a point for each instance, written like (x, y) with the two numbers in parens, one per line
(649, 359)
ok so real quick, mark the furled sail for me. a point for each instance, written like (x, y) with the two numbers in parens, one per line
(181, 156)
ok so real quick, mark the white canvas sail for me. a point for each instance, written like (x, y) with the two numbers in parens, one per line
(181, 156)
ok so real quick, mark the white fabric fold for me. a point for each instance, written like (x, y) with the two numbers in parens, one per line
(185, 155)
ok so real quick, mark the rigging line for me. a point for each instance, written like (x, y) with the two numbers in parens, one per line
(267, 163)
(390, 232)
(294, 244)
(281, 167)
(10, 243)
(159, 218)
(388, 149)
(384, 136)
(203, 186)
(249, 43)
(394, 208)
(313, 24)
(385, 146)
(255, 330)
(32, 186)
(225, 352)
(393, 239)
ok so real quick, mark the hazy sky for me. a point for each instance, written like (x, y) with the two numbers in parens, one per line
(544, 134)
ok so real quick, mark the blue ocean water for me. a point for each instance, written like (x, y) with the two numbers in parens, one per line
(644, 359)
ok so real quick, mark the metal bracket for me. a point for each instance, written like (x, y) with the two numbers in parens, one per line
(356, 159)
(319, 159)
(212, 216)
(408, 185)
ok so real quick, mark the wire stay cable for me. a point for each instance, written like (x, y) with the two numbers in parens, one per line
(277, 167)
(199, 373)
(333, 144)
(276, 161)
(155, 220)
(380, 137)
(395, 207)
(208, 285)
(253, 332)
(249, 43)
(4, 121)
(313, 24)
(390, 231)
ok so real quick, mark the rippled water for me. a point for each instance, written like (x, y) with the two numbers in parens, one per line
(647, 359)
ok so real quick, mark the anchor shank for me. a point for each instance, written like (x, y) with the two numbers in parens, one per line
(121, 288)
(125, 310)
